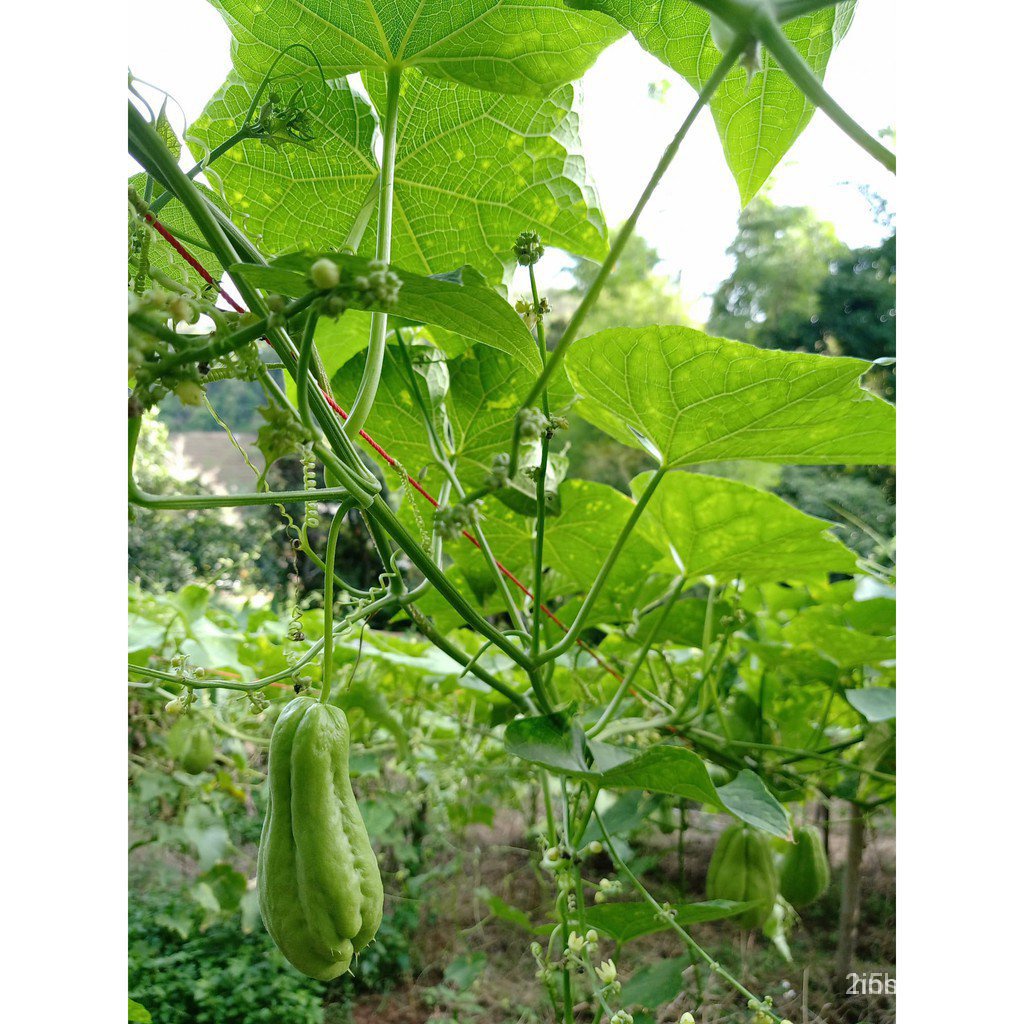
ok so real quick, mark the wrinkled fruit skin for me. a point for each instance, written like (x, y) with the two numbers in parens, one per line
(805, 874)
(191, 745)
(742, 869)
(318, 882)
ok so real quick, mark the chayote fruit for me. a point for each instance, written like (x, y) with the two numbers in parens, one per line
(805, 874)
(190, 743)
(742, 869)
(318, 883)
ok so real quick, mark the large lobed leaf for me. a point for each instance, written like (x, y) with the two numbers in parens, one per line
(692, 398)
(726, 529)
(757, 120)
(473, 169)
(522, 47)
(294, 197)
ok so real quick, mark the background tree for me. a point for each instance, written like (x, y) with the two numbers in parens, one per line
(772, 299)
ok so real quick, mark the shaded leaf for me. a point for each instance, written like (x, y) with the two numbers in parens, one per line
(725, 529)
(875, 703)
(655, 983)
(626, 921)
(749, 799)
(664, 769)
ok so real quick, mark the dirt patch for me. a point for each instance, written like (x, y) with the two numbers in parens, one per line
(457, 923)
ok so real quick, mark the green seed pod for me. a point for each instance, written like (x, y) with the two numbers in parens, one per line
(318, 882)
(742, 869)
(805, 872)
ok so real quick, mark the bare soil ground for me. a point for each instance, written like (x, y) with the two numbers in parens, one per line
(456, 922)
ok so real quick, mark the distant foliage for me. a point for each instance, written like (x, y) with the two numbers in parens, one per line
(167, 550)
(221, 975)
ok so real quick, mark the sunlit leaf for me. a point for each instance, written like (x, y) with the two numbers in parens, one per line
(695, 399)
(757, 120)
(530, 46)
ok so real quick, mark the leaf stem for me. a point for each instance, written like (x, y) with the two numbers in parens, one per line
(788, 58)
(332, 550)
(367, 390)
(692, 943)
(542, 473)
(602, 575)
(627, 682)
(572, 328)
(243, 133)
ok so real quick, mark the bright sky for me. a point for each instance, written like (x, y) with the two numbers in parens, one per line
(692, 217)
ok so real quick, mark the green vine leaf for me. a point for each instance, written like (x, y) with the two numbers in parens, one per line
(291, 197)
(749, 799)
(626, 921)
(847, 648)
(875, 703)
(528, 47)
(692, 398)
(757, 120)
(476, 168)
(726, 529)
(473, 169)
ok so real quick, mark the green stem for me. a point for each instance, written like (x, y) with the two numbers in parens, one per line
(627, 682)
(427, 628)
(222, 346)
(380, 511)
(581, 824)
(602, 575)
(691, 943)
(137, 496)
(787, 10)
(788, 58)
(152, 153)
(572, 328)
(243, 133)
(441, 457)
(306, 348)
(332, 550)
(800, 755)
(542, 473)
(355, 234)
(367, 390)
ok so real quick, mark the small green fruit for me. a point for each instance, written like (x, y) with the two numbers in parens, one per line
(324, 274)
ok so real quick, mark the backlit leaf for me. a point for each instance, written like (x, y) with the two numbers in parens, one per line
(695, 399)
(529, 46)
(725, 529)
(757, 120)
